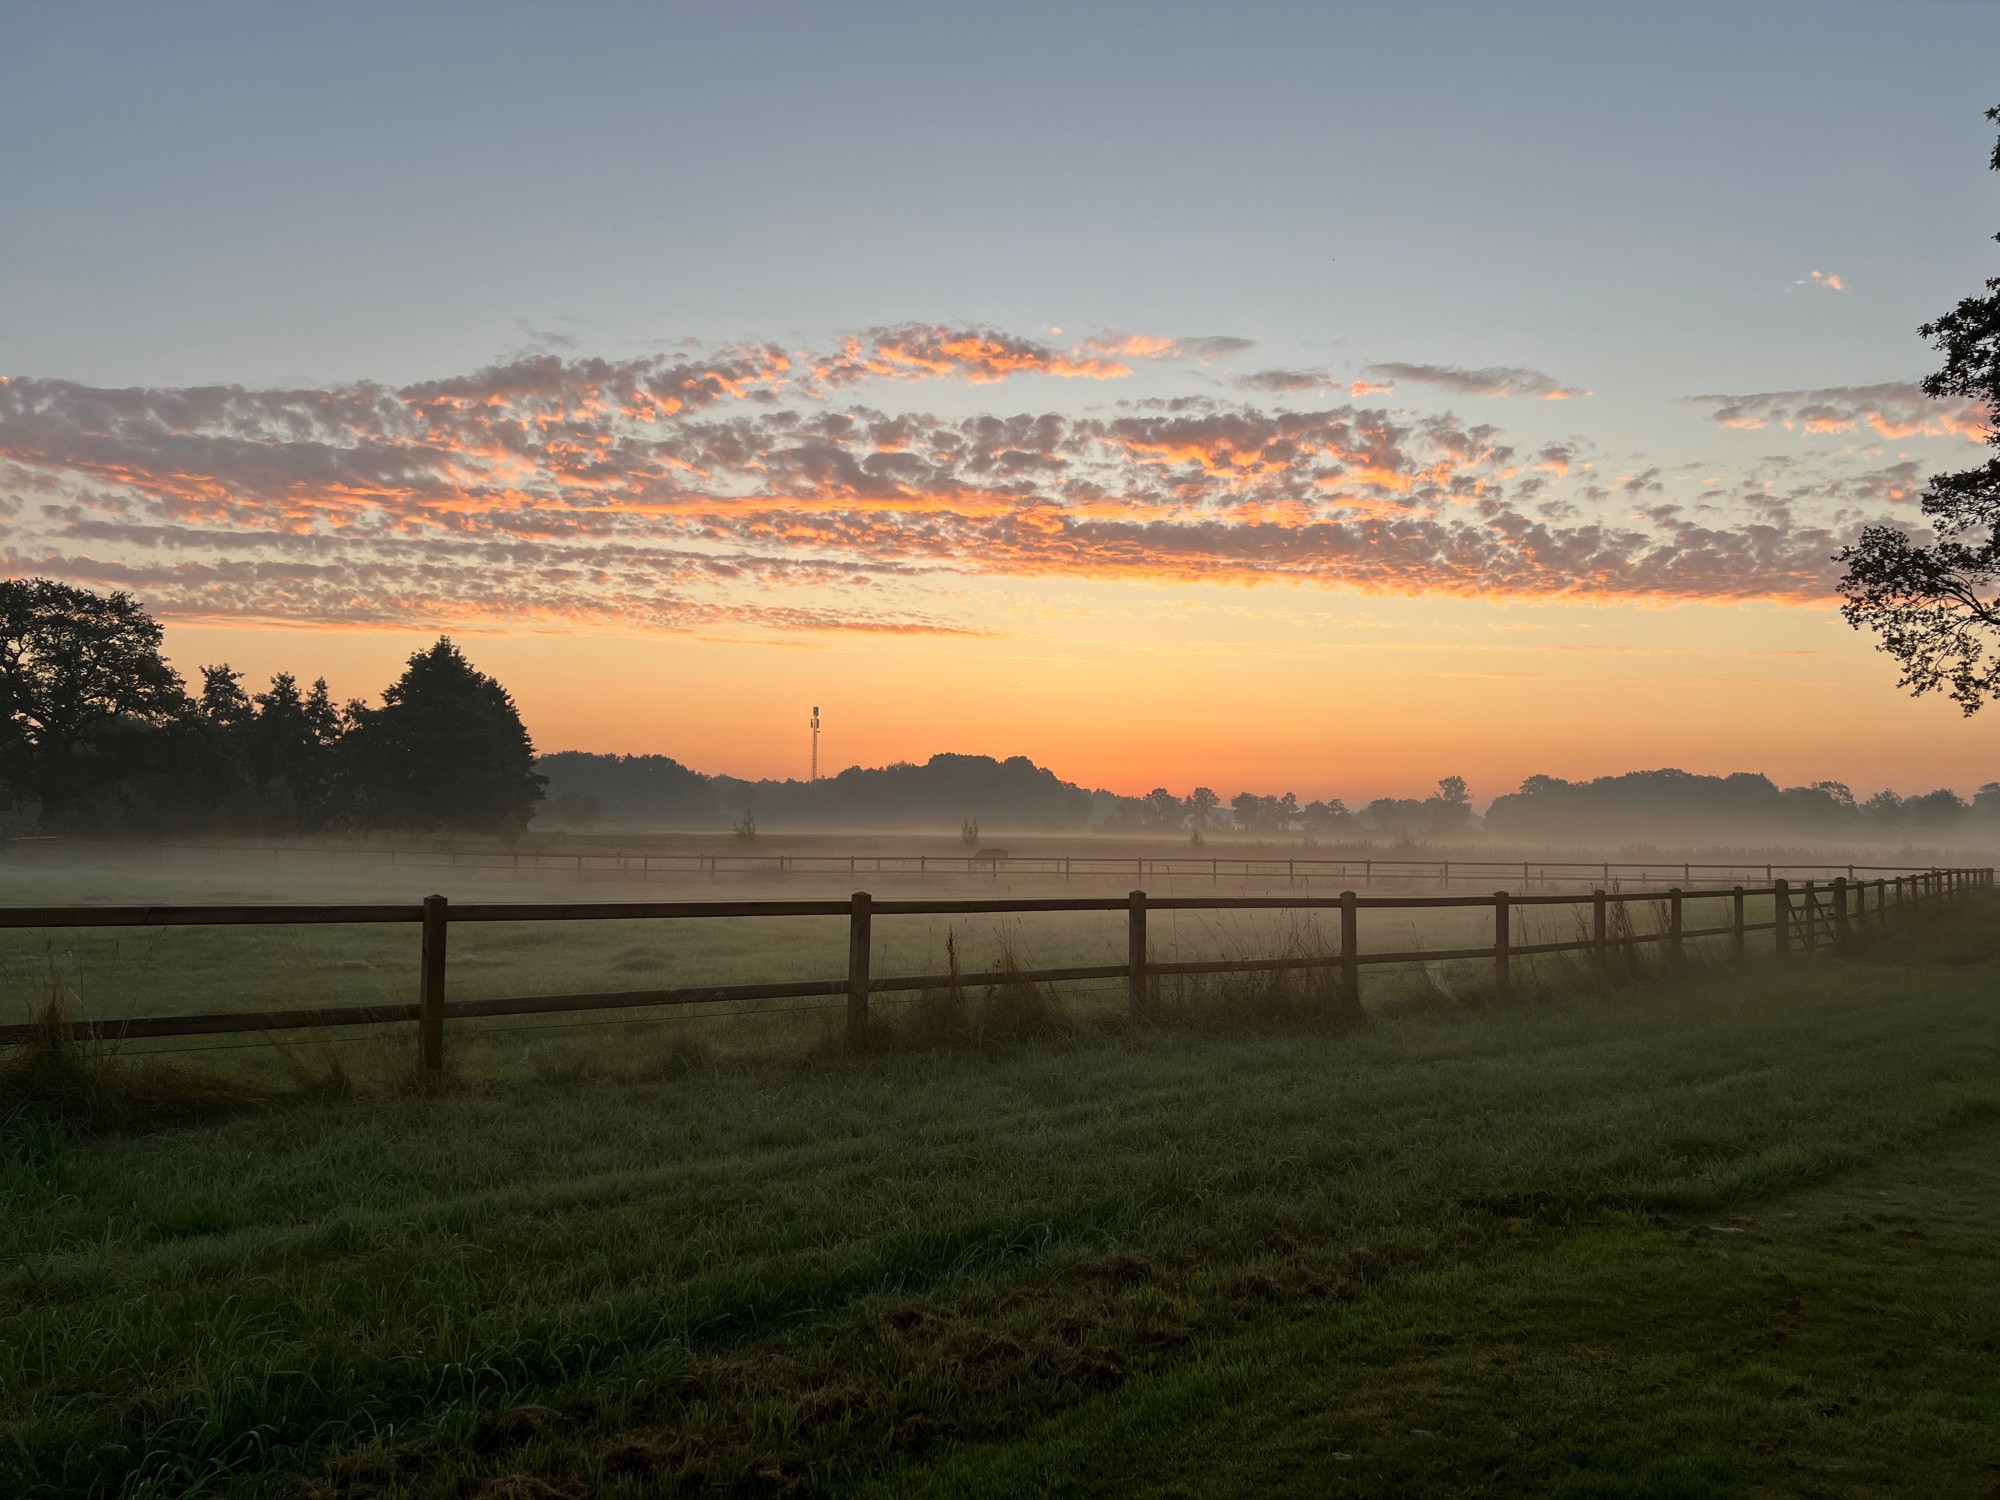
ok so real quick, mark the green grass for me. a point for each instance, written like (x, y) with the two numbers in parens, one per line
(108, 973)
(1735, 1233)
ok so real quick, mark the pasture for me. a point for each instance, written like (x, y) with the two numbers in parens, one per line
(112, 973)
(1729, 1232)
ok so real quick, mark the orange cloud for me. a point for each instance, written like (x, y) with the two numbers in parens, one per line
(677, 493)
(1895, 410)
(916, 351)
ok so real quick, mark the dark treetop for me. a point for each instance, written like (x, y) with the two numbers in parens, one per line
(1935, 605)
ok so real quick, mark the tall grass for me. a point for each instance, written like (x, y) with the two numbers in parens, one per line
(955, 1014)
(62, 1080)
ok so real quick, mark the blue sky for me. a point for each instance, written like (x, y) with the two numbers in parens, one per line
(1622, 195)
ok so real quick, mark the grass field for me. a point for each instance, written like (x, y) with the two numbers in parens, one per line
(111, 972)
(1735, 1233)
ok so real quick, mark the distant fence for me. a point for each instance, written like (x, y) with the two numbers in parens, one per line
(1303, 872)
(1804, 918)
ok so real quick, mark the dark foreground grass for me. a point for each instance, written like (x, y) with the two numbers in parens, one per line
(1736, 1233)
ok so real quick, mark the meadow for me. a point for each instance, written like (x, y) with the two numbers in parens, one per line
(1726, 1232)
(108, 973)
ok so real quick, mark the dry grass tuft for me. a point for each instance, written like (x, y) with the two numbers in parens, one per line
(85, 1086)
(1014, 1009)
(1261, 1000)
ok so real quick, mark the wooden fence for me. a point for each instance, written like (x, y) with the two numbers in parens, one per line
(1804, 918)
(1303, 871)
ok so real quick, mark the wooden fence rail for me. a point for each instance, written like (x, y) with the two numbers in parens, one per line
(1804, 918)
(1302, 870)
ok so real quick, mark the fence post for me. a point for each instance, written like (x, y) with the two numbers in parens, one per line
(1843, 933)
(1350, 951)
(860, 942)
(1135, 954)
(1781, 906)
(1674, 950)
(1736, 924)
(1502, 977)
(430, 987)
(1812, 916)
(1600, 934)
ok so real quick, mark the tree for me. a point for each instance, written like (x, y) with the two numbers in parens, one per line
(1451, 807)
(75, 669)
(1160, 808)
(1255, 814)
(1328, 817)
(293, 744)
(223, 701)
(1200, 803)
(1936, 607)
(446, 749)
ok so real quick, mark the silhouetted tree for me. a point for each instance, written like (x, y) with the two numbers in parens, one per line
(1255, 814)
(1160, 808)
(223, 701)
(1935, 607)
(1451, 808)
(446, 749)
(292, 753)
(1328, 817)
(1200, 803)
(83, 689)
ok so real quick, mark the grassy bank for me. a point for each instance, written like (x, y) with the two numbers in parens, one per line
(1732, 1233)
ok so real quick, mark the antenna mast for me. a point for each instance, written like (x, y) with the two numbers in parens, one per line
(815, 765)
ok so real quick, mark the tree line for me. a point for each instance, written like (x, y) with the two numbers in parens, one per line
(1446, 813)
(98, 733)
(1685, 806)
(945, 791)
(963, 791)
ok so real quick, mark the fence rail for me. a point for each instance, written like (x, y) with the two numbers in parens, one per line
(1804, 918)
(1303, 870)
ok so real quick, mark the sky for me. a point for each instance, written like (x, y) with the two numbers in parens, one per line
(1325, 398)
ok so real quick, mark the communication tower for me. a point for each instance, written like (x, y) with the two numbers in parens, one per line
(815, 767)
